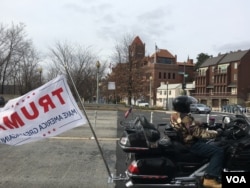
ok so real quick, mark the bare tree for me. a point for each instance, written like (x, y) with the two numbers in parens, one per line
(18, 58)
(126, 73)
(27, 70)
(81, 65)
(121, 52)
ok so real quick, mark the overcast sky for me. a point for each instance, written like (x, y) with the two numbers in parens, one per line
(184, 27)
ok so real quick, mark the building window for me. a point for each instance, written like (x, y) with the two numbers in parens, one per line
(159, 75)
(164, 75)
(233, 90)
(235, 76)
(203, 72)
(235, 65)
(169, 75)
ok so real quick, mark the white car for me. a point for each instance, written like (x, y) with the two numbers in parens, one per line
(200, 108)
(143, 104)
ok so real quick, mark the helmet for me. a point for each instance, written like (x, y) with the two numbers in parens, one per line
(182, 103)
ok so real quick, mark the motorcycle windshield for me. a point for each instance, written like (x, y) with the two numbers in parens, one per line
(150, 132)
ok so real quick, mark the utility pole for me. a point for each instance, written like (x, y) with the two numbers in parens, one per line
(167, 97)
(184, 80)
(97, 81)
(150, 91)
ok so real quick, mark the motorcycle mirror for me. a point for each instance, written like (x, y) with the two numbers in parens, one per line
(226, 120)
(168, 127)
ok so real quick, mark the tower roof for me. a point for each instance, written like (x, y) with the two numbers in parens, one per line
(137, 41)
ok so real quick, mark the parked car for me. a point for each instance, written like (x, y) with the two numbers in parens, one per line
(200, 108)
(2, 101)
(143, 104)
(241, 108)
(233, 108)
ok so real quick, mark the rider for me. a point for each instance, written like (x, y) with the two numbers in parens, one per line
(193, 135)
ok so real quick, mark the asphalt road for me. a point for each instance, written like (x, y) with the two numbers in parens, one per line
(71, 160)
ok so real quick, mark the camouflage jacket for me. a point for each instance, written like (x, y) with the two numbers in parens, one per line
(189, 128)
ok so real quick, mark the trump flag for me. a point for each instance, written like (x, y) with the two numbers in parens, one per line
(42, 113)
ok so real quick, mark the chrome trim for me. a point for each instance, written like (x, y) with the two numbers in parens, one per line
(132, 148)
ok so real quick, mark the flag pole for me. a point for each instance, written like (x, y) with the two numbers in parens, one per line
(92, 129)
(155, 53)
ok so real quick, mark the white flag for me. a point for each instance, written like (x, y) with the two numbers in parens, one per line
(42, 113)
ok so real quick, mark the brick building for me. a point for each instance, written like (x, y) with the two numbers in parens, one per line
(160, 67)
(224, 79)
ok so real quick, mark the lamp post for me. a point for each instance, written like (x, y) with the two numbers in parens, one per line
(100, 92)
(150, 90)
(184, 80)
(167, 97)
(97, 81)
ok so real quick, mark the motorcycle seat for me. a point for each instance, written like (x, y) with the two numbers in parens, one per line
(180, 147)
(172, 145)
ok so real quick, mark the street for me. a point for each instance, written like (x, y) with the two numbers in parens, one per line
(72, 159)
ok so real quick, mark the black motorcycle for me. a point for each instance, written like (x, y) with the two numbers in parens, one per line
(163, 161)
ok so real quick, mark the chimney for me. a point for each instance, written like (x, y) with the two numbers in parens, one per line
(190, 61)
(175, 57)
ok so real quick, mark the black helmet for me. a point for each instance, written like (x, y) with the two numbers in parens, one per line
(182, 103)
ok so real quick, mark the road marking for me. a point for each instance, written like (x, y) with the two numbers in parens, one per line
(83, 138)
(209, 115)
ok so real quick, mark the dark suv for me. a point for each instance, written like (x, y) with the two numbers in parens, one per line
(2, 101)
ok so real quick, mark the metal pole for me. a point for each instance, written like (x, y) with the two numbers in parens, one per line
(184, 79)
(150, 91)
(97, 86)
(151, 117)
(95, 118)
(167, 98)
(90, 125)
(97, 82)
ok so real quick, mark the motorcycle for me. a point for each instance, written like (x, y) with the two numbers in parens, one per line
(163, 161)
(133, 139)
